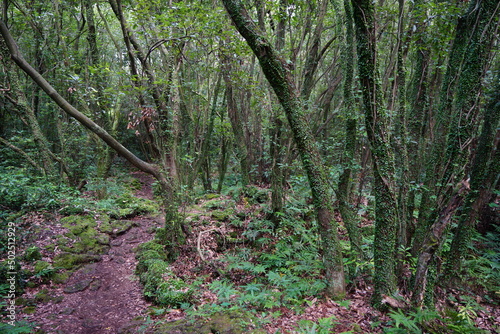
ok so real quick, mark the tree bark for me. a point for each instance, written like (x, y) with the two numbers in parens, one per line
(382, 157)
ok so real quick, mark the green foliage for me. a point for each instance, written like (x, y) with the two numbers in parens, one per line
(32, 253)
(484, 264)
(429, 321)
(19, 191)
(322, 326)
(284, 275)
(19, 327)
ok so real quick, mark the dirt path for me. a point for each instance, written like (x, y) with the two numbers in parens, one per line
(103, 297)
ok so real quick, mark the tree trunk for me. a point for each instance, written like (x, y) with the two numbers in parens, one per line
(344, 188)
(484, 175)
(382, 157)
(280, 80)
(235, 118)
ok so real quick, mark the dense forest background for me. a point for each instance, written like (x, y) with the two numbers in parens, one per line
(367, 134)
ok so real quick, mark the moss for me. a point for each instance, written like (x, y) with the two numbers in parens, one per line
(90, 241)
(231, 322)
(60, 278)
(29, 310)
(150, 245)
(105, 227)
(129, 205)
(173, 292)
(214, 204)
(73, 261)
(32, 254)
(222, 216)
(41, 265)
(145, 257)
(22, 301)
(50, 248)
(121, 226)
(78, 224)
(154, 274)
(43, 296)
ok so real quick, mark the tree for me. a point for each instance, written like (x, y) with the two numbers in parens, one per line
(376, 121)
(280, 80)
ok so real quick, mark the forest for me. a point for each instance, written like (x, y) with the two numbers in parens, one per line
(249, 166)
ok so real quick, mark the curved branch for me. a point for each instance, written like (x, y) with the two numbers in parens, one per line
(72, 111)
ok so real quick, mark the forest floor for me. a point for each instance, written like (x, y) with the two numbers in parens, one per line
(106, 297)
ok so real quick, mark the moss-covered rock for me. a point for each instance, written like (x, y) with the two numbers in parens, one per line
(44, 296)
(145, 257)
(74, 261)
(121, 226)
(215, 204)
(60, 278)
(83, 236)
(154, 273)
(173, 292)
(105, 227)
(222, 216)
(150, 245)
(29, 310)
(231, 322)
(32, 254)
(78, 224)
(129, 206)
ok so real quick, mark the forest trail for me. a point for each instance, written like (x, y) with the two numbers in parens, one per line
(103, 297)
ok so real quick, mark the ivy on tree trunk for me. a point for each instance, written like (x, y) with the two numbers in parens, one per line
(278, 76)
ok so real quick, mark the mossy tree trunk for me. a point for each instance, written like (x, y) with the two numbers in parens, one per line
(18, 99)
(457, 119)
(384, 187)
(345, 184)
(280, 80)
(484, 176)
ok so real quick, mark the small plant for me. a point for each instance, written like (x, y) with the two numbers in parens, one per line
(322, 326)
(18, 327)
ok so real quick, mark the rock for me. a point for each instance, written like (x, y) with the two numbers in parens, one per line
(231, 322)
(95, 285)
(78, 286)
(91, 323)
(67, 311)
(116, 243)
(70, 260)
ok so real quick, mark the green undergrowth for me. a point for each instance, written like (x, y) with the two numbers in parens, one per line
(422, 321)
(20, 192)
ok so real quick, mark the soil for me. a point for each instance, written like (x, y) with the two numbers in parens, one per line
(103, 297)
